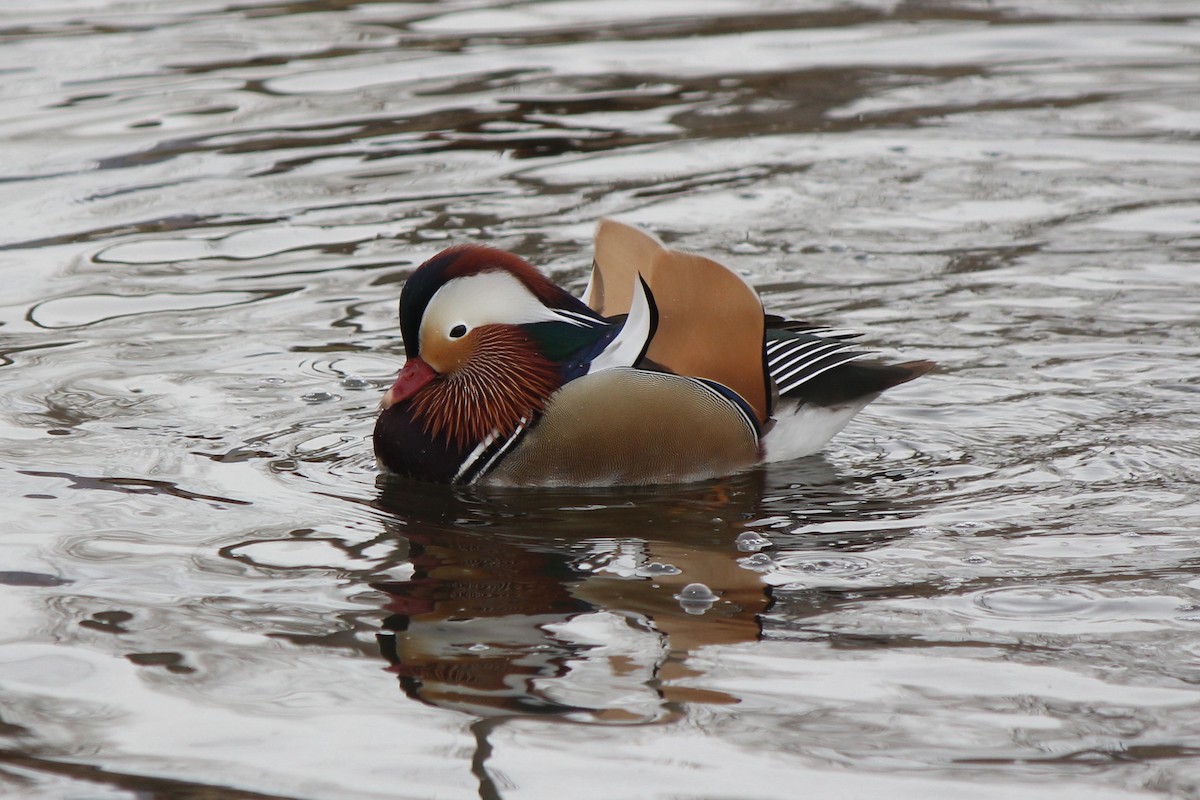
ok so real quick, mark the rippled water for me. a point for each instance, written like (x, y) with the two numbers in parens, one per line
(987, 587)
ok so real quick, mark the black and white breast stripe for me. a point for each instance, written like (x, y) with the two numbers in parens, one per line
(796, 360)
(487, 454)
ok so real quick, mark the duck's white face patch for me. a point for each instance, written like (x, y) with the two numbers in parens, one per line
(487, 298)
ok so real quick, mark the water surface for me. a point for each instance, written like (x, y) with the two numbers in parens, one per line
(986, 587)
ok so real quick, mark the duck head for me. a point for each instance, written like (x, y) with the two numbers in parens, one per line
(485, 334)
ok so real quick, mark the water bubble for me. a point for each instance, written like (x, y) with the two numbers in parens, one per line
(658, 568)
(750, 541)
(821, 564)
(319, 396)
(975, 560)
(697, 591)
(696, 598)
(758, 561)
(355, 382)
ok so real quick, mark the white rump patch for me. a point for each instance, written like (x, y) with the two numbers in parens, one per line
(801, 430)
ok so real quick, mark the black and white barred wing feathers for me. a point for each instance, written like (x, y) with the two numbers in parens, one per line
(794, 358)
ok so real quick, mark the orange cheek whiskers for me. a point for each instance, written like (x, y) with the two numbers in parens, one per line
(506, 380)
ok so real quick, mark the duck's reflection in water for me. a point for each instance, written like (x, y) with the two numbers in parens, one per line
(586, 605)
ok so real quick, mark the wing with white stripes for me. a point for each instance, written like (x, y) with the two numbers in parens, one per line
(793, 358)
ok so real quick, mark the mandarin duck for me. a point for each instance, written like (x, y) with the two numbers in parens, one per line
(668, 370)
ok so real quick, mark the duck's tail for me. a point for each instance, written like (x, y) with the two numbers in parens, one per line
(809, 415)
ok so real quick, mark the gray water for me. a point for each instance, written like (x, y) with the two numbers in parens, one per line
(986, 587)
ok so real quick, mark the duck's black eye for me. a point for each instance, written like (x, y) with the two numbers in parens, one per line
(458, 331)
